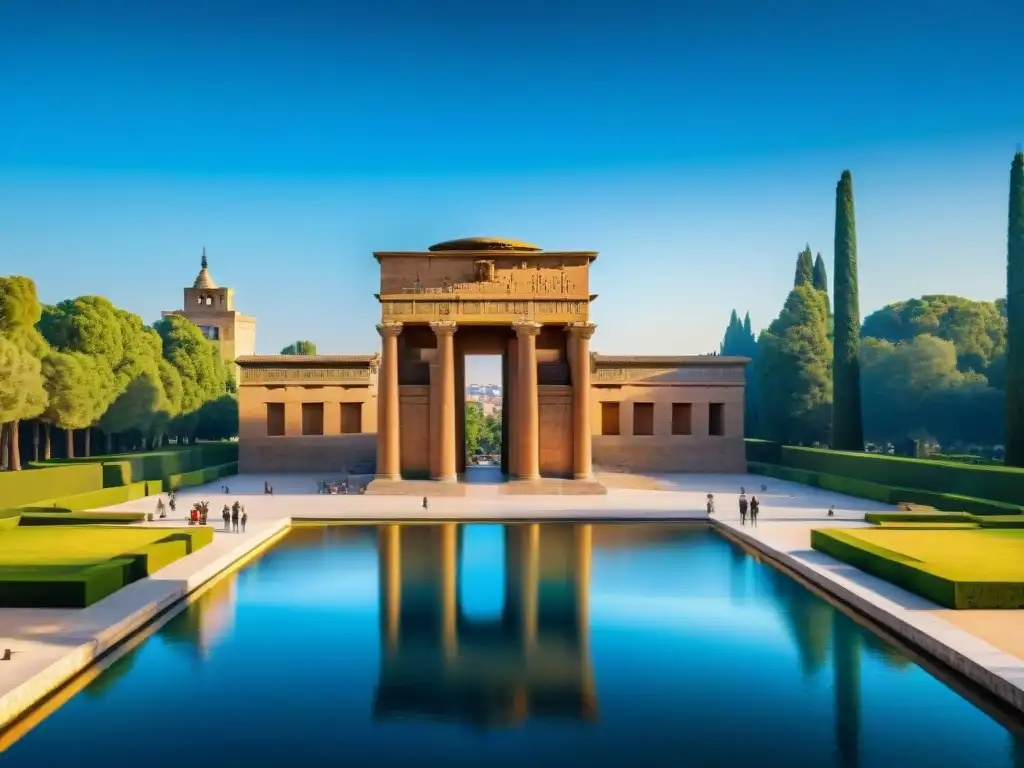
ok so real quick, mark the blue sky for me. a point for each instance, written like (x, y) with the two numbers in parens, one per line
(695, 147)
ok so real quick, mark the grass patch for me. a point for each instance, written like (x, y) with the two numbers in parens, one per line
(931, 526)
(955, 568)
(54, 567)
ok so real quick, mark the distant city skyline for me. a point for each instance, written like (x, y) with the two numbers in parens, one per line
(695, 148)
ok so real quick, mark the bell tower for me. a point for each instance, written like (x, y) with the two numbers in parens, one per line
(213, 309)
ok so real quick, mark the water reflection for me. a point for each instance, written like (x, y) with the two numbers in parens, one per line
(530, 661)
(368, 640)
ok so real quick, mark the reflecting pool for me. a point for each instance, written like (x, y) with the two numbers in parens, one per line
(492, 645)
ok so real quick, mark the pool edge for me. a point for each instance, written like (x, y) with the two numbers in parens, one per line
(963, 653)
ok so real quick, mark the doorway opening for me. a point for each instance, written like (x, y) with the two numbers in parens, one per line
(483, 427)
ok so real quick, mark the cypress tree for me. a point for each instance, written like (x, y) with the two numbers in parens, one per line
(847, 422)
(804, 268)
(1015, 317)
(820, 275)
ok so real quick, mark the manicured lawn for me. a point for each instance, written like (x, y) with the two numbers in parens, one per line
(956, 568)
(75, 566)
(46, 546)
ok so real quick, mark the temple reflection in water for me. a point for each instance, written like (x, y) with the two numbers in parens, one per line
(532, 660)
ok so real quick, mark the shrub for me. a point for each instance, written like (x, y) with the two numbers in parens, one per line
(878, 518)
(31, 485)
(998, 483)
(763, 451)
(62, 586)
(886, 494)
(202, 476)
(57, 516)
(105, 497)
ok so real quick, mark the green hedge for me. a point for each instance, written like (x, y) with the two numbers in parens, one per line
(1005, 484)
(202, 476)
(9, 518)
(865, 489)
(31, 485)
(51, 516)
(877, 518)
(910, 574)
(105, 497)
(123, 469)
(63, 587)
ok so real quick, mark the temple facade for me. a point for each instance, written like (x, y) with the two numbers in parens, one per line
(565, 408)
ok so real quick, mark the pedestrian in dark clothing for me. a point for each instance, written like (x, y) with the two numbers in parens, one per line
(743, 510)
(226, 515)
(234, 520)
(755, 507)
(245, 519)
(424, 502)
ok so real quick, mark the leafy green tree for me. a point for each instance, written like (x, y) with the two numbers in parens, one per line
(820, 282)
(977, 329)
(300, 348)
(76, 386)
(793, 371)
(739, 341)
(1015, 316)
(199, 367)
(19, 312)
(218, 419)
(847, 421)
(804, 268)
(22, 395)
(914, 390)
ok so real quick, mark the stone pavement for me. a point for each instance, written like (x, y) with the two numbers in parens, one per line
(51, 646)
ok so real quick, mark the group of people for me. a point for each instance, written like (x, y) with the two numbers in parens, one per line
(235, 516)
(344, 488)
(753, 506)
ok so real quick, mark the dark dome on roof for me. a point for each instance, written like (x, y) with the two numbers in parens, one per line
(483, 244)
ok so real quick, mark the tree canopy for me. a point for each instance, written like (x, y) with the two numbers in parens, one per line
(804, 268)
(793, 370)
(300, 348)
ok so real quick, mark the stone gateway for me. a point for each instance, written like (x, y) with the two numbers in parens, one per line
(400, 414)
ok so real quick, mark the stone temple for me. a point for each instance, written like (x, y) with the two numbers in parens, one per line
(399, 413)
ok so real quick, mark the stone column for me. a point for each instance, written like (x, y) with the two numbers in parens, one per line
(389, 463)
(447, 462)
(579, 339)
(527, 401)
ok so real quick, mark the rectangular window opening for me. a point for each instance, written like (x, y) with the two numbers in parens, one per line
(716, 419)
(643, 418)
(682, 419)
(312, 418)
(610, 418)
(275, 419)
(351, 418)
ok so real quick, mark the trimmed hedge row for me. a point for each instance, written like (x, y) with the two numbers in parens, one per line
(886, 494)
(201, 476)
(50, 516)
(105, 497)
(30, 485)
(60, 587)
(879, 518)
(124, 469)
(995, 483)
(914, 576)
(9, 518)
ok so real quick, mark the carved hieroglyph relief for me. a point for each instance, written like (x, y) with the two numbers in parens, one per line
(304, 375)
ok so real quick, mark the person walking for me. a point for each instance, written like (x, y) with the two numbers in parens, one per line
(245, 519)
(743, 509)
(234, 519)
(226, 515)
(832, 510)
(755, 507)
(160, 510)
(424, 502)
(711, 504)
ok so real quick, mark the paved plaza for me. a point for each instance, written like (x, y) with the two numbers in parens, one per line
(51, 645)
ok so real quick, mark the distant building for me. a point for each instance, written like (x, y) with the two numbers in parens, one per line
(213, 310)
